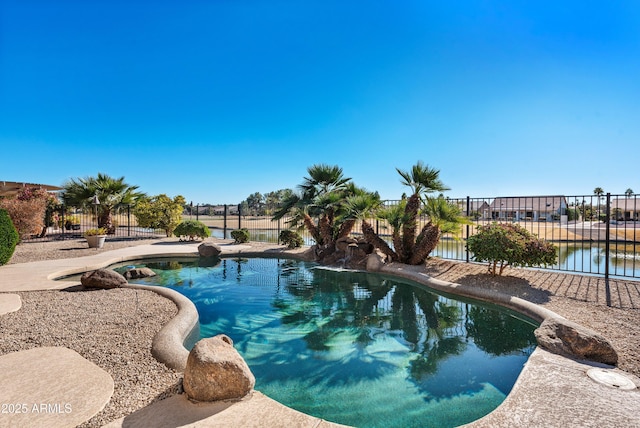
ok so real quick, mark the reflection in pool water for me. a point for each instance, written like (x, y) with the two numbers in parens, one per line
(356, 348)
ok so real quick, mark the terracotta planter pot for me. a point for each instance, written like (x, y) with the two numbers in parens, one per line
(96, 241)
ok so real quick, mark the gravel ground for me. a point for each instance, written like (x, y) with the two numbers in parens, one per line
(114, 328)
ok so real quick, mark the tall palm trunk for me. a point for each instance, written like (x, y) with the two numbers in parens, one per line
(326, 229)
(409, 227)
(371, 237)
(105, 220)
(345, 228)
(426, 243)
(311, 227)
(396, 238)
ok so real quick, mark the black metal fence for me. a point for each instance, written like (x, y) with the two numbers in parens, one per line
(66, 222)
(594, 234)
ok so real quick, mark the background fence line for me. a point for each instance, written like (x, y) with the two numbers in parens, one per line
(594, 234)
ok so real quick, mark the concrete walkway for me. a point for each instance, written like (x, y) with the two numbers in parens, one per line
(551, 390)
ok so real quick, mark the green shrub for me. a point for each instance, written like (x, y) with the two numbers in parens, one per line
(192, 229)
(240, 235)
(8, 237)
(509, 244)
(291, 238)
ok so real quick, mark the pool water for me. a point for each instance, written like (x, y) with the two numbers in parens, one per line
(356, 348)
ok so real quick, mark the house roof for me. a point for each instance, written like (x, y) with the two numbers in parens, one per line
(11, 188)
(533, 203)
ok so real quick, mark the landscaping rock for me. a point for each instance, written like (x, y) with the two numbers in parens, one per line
(207, 249)
(103, 278)
(139, 273)
(564, 337)
(342, 244)
(216, 371)
(375, 261)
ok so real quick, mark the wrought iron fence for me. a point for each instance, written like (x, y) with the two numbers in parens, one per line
(65, 222)
(594, 234)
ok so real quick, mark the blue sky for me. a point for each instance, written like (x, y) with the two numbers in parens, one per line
(216, 100)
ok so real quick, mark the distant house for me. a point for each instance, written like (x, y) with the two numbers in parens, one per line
(478, 209)
(625, 209)
(535, 208)
(219, 209)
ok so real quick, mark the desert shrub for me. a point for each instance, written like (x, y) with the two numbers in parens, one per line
(240, 235)
(8, 237)
(192, 229)
(509, 244)
(291, 238)
(27, 215)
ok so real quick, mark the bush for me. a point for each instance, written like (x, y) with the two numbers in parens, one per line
(509, 244)
(27, 216)
(291, 238)
(240, 235)
(8, 237)
(192, 229)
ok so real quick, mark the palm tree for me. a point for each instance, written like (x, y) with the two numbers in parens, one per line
(444, 217)
(110, 193)
(598, 191)
(422, 180)
(628, 192)
(319, 206)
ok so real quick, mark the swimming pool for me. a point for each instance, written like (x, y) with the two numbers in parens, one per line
(356, 348)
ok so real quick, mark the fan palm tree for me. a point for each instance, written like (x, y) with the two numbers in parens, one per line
(319, 206)
(110, 193)
(444, 217)
(422, 180)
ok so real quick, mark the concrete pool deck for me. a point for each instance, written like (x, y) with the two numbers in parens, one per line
(551, 390)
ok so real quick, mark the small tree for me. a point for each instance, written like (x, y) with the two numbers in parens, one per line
(506, 244)
(160, 212)
(8, 237)
(192, 229)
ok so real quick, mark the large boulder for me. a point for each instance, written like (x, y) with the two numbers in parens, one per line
(207, 249)
(375, 262)
(103, 278)
(216, 371)
(567, 338)
(134, 273)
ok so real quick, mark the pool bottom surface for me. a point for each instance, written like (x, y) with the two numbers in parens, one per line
(357, 348)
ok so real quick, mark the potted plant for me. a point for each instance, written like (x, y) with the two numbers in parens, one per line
(96, 237)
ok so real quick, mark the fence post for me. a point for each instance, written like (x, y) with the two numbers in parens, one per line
(197, 211)
(129, 220)
(64, 209)
(239, 216)
(607, 242)
(278, 236)
(468, 216)
(224, 226)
